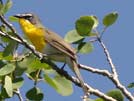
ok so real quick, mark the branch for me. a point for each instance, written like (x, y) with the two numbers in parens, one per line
(77, 83)
(115, 78)
(17, 92)
(94, 70)
(61, 72)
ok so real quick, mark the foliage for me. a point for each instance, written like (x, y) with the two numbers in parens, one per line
(110, 19)
(115, 93)
(131, 85)
(13, 64)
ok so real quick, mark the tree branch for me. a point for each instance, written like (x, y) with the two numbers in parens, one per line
(61, 72)
(65, 74)
(17, 92)
(115, 78)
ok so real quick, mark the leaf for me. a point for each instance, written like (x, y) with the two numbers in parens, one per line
(2, 63)
(3, 28)
(85, 47)
(88, 99)
(8, 86)
(64, 86)
(13, 19)
(7, 6)
(18, 82)
(3, 92)
(7, 69)
(50, 81)
(93, 34)
(20, 69)
(110, 19)
(96, 22)
(99, 99)
(84, 25)
(116, 94)
(72, 36)
(35, 94)
(1, 8)
(8, 58)
(131, 85)
(36, 64)
(60, 84)
(10, 48)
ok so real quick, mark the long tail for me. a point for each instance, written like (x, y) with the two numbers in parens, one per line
(74, 66)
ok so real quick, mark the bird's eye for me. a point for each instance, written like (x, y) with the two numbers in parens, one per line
(29, 18)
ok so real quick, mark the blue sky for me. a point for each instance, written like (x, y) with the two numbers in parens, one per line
(60, 16)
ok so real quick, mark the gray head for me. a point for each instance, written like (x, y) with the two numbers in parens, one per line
(31, 17)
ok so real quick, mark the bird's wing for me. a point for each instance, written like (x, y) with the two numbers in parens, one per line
(58, 42)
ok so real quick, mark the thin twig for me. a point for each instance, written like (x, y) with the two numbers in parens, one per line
(37, 77)
(17, 92)
(109, 59)
(95, 70)
(102, 33)
(115, 78)
(21, 58)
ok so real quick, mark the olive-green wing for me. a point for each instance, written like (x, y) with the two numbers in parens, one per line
(58, 42)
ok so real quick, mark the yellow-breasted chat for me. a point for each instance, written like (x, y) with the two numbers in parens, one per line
(50, 43)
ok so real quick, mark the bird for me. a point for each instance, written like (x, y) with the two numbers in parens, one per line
(48, 42)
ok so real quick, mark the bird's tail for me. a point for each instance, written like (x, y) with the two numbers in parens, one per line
(74, 66)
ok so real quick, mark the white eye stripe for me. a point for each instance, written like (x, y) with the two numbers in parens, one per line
(26, 14)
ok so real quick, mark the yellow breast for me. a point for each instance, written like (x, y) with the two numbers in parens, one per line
(36, 35)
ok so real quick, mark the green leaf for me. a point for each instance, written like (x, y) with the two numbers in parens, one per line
(35, 94)
(7, 69)
(8, 86)
(84, 25)
(60, 84)
(96, 22)
(72, 36)
(18, 82)
(110, 19)
(116, 94)
(3, 93)
(85, 47)
(88, 99)
(2, 63)
(64, 86)
(131, 85)
(1, 8)
(92, 34)
(8, 58)
(50, 81)
(35, 75)
(7, 6)
(3, 28)
(36, 64)
(13, 19)
(99, 99)
(20, 69)
(10, 48)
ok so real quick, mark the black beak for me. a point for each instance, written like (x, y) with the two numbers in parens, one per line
(18, 15)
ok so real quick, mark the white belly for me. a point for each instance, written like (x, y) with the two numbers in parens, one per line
(54, 54)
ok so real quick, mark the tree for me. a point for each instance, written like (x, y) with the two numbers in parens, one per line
(18, 56)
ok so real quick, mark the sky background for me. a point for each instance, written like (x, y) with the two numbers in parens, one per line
(60, 16)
